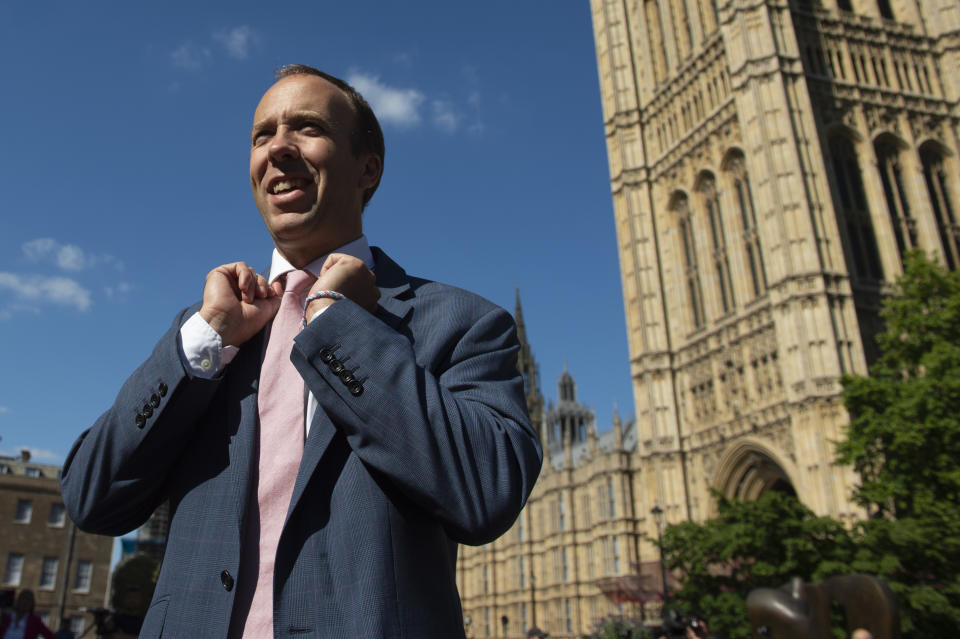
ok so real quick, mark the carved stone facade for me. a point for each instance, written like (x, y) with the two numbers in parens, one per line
(770, 162)
(578, 536)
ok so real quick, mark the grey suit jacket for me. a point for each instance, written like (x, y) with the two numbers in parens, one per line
(421, 441)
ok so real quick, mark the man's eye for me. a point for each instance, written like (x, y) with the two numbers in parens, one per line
(260, 137)
(312, 128)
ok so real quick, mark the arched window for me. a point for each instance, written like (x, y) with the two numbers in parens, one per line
(891, 175)
(748, 220)
(691, 270)
(935, 176)
(721, 261)
(886, 11)
(655, 30)
(854, 212)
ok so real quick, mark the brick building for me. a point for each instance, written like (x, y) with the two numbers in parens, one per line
(41, 549)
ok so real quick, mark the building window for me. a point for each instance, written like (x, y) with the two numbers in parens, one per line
(523, 616)
(48, 575)
(523, 573)
(486, 579)
(935, 176)
(568, 615)
(748, 221)
(691, 269)
(721, 262)
(4, 469)
(566, 568)
(860, 237)
(30, 471)
(612, 499)
(11, 577)
(76, 625)
(561, 514)
(81, 582)
(891, 176)
(58, 515)
(520, 527)
(24, 511)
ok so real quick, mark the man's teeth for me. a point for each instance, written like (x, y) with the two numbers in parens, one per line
(286, 185)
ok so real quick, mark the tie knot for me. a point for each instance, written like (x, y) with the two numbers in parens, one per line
(298, 282)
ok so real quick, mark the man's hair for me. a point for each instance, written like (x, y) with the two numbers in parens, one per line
(367, 136)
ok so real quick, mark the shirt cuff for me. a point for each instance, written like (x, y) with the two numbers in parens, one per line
(201, 350)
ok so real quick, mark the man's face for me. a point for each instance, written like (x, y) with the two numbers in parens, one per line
(306, 180)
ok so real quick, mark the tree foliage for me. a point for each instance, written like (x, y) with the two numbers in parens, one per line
(621, 628)
(903, 439)
(750, 544)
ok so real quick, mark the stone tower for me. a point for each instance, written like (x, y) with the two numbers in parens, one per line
(770, 162)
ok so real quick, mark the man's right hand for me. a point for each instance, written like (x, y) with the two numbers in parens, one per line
(238, 302)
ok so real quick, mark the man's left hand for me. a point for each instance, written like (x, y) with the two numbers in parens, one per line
(348, 276)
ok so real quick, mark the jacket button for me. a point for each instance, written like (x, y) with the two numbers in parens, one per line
(356, 388)
(155, 400)
(141, 421)
(147, 410)
(162, 389)
(337, 366)
(227, 580)
(326, 356)
(346, 376)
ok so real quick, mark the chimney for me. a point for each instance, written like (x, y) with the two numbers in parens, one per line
(24, 455)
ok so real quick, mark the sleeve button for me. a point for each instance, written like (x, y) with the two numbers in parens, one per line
(227, 580)
(162, 389)
(141, 421)
(155, 400)
(337, 366)
(147, 410)
(356, 388)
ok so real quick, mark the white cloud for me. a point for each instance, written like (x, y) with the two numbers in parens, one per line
(392, 105)
(4, 409)
(30, 290)
(120, 288)
(69, 257)
(444, 116)
(190, 56)
(36, 454)
(236, 41)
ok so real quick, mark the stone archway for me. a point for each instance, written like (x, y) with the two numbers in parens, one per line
(750, 469)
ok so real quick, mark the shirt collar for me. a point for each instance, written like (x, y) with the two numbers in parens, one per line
(358, 248)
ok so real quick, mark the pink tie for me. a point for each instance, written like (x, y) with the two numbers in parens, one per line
(280, 402)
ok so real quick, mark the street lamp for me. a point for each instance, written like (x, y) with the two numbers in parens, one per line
(657, 513)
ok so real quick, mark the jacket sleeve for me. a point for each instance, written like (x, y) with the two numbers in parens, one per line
(113, 476)
(439, 411)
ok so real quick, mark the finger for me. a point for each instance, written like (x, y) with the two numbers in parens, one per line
(262, 289)
(247, 282)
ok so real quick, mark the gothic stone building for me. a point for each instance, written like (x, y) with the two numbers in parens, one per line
(770, 162)
(572, 556)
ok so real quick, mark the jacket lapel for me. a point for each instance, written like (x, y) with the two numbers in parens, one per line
(394, 309)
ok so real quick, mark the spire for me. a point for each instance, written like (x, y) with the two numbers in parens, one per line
(518, 318)
(528, 369)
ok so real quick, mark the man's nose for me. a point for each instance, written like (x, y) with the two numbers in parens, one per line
(283, 146)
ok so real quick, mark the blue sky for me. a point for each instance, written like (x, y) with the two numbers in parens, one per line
(124, 178)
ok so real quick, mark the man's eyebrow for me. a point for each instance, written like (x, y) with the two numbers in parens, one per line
(296, 117)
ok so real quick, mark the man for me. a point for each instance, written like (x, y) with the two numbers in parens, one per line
(408, 433)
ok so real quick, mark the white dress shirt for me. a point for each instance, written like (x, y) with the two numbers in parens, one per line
(201, 349)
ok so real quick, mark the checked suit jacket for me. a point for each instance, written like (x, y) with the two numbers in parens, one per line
(421, 441)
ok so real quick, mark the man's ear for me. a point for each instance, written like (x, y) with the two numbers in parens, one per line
(372, 169)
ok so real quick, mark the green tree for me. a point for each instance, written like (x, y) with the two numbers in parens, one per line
(620, 628)
(904, 441)
(750, 544)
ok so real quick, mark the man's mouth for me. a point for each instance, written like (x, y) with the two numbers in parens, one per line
(287, 184)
